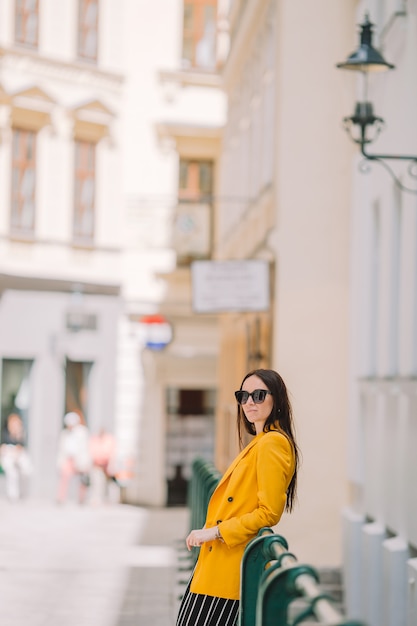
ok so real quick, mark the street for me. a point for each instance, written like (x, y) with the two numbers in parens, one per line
(114, 565)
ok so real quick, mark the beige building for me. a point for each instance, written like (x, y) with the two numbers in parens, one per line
(342, 253)
(287, 164)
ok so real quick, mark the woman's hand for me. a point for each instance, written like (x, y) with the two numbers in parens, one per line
(197, 537)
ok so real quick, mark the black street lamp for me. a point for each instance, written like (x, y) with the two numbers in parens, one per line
(367, 59)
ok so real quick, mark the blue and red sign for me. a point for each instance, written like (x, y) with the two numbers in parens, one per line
(158, 331)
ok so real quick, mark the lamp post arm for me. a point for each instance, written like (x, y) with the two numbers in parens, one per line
(381, 159)
(385, 30)
(378, 157)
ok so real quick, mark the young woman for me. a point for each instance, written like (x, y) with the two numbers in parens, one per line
(253, 493)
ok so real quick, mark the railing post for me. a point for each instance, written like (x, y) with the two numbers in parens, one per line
(276, 592)
(271, 579)
(204, 480)
(254, 560)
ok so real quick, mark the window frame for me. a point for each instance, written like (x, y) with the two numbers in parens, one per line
(84, 30)
(195, 33)
(81, 176)
(22, 165)
(192, 192)
(194, 214)
(23, 14)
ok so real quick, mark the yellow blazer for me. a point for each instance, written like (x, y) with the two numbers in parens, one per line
(251, 495)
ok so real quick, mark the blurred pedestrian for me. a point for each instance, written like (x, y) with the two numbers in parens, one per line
(103, 457)
(253, 493)
(15, 459)
(74, 459)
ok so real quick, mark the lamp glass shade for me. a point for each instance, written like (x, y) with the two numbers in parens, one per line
(366, 58)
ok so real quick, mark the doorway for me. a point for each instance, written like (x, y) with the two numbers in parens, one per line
(190, 434)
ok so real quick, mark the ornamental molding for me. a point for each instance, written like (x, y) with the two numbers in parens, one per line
(93, 112)
(4, 96)
(191, 78)
(54, 69)
(33, 98)
(180, 129)
(92, 121)
(397, 385)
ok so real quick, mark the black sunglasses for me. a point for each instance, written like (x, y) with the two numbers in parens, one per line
(258, 396)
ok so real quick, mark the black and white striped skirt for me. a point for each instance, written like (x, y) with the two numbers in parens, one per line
(201, 610)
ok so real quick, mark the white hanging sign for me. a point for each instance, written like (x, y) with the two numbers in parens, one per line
(227, 286)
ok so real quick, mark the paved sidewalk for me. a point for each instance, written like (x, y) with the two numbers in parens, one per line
(115, 565)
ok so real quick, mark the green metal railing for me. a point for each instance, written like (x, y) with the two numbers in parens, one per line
(272, 580)
(203, 482)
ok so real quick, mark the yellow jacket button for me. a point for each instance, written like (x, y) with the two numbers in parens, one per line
(230, 499)
(219, 521)
(210, 548)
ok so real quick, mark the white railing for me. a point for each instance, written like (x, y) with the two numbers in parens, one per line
(380, 537)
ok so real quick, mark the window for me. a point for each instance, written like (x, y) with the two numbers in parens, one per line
(199, 34)
(23, 182)
(84, 192)
(88, 29)
(192, 231)
(15, 396)
(26, 22)
(195, 180)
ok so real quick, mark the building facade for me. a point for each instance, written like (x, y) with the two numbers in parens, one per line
(109, 140)
(60, 235)
(286, 164)
(174, 115)
(214, 134)
(380, 539)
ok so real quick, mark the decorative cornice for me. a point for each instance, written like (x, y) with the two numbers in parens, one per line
(92, 121)
(54, 69)
(5, 98)
(93, 107)
(49, 283)
(191, 78)
(60, 243)
(179, 129)
(388, 386)
(34, 93)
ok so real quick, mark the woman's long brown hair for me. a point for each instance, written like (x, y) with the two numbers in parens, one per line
(280, 418)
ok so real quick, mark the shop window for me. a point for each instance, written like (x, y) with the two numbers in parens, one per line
(23, 183)
(27, 22)
(84, 209)
(77, 374)
(15, 391)
(88, 29)
(199, 34)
